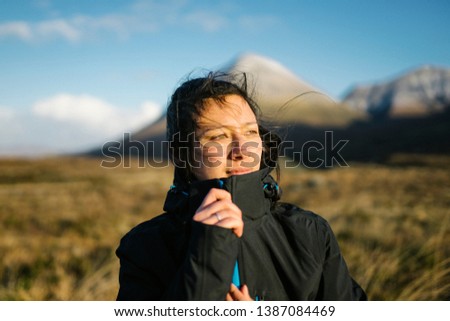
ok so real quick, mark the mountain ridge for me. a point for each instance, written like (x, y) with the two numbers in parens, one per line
(305, 114)
(282, 96)
(419, 91)
(287, 98)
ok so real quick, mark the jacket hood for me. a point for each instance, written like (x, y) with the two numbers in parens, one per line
(254, 193)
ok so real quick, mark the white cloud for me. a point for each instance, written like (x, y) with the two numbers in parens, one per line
(79, 27)
(82, 109)
(58, 28)
(144, 17)
(149, 111)
(42, 30)
(67, 123)
(140, 17)
(19, 29)
(123, 25)
(94, 114)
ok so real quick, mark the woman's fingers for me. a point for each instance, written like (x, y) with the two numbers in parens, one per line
(221, 206)
(226, 219)
(215, 217)
(218, 209)
(233, 223)
(239, 294)
(213, 195)
(244, 290)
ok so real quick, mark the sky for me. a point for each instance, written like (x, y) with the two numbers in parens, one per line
(77, 74)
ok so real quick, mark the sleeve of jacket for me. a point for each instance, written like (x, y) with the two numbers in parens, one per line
(148, 270)
(336, 283)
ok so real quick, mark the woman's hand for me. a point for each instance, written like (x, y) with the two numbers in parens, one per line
(218, 209)
(238, 295)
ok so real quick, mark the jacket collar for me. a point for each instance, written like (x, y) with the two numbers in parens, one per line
(253, 193)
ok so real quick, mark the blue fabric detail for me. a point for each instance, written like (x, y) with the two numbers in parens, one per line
(268, 185)
(173, 188)
(236, 279)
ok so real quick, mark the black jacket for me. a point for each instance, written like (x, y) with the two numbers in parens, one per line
(285, 253)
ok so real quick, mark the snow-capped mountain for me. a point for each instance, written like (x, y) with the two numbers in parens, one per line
(285, 97)
(272, 81)
(423, 91)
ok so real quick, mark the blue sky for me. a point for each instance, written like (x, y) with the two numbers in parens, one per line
(75, 74)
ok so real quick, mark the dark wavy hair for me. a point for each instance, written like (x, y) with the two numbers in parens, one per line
(187, 104)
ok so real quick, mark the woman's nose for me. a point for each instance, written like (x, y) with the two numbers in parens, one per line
(238, 148)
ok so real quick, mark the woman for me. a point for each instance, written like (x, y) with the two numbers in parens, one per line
(224, 235)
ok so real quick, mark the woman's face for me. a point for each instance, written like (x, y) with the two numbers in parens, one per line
(227, 140)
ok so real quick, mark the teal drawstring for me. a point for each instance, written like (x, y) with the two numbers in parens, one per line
(236, 279)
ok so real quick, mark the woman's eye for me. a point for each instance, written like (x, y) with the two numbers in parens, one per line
(252, 132)
(218, 137)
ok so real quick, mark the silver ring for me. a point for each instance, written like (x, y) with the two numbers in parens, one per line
(218, 217)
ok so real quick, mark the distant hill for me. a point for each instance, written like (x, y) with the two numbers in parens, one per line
(303, 115)
(420, 92)
(272, 83)
(285, 98)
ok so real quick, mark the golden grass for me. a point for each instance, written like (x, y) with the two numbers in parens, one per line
(61, 220)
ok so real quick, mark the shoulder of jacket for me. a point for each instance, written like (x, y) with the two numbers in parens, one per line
(288, 210)
(292, 213)
(308, 228)
(149, 228)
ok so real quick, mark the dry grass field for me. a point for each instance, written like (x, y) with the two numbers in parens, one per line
(61, 220)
